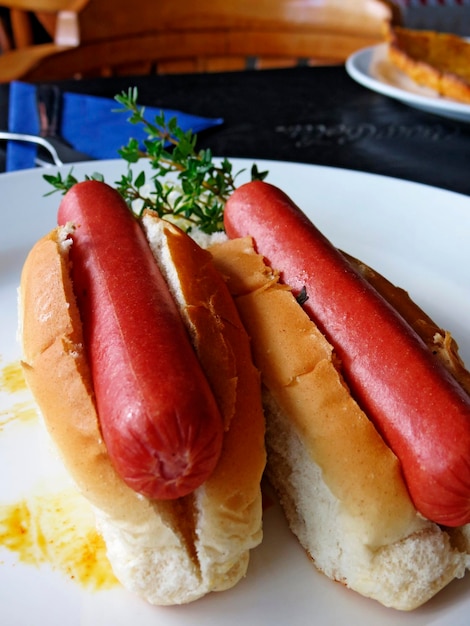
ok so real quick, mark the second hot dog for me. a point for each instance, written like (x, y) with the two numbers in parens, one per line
(340, 485)
(384, 361)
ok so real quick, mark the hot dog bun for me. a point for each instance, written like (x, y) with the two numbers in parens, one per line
(439, 341)
(174, 551)
(340, 485)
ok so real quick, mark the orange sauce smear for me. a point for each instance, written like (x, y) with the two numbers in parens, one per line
(55, 529)
(58, 529)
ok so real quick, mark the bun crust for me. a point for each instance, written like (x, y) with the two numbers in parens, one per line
(439, 341)
(340, 485)
(168, 552)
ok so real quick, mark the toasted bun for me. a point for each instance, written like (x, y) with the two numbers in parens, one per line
(168, 552)
(440, 61)
(339, 484)
(438, 340)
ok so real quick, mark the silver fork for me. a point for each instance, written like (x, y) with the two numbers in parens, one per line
(40, 141)
(49, 106)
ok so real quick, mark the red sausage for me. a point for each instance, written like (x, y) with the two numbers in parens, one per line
(159, 419)
(421, 411)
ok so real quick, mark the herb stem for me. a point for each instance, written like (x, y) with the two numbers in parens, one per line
(186, 185)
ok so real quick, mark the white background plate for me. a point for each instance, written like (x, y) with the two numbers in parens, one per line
(416, 235)
(371, 68)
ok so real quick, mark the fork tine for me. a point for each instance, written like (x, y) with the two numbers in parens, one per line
(9, 136)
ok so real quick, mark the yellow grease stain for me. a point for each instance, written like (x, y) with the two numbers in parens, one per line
(58, 529)
(11, 378)
(12, 381)
(19, 412)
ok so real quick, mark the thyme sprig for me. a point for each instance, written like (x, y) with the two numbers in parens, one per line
(185, 185)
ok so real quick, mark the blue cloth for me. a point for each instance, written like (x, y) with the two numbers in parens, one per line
(89, 123)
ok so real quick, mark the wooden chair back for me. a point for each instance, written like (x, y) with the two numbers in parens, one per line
(109, 37)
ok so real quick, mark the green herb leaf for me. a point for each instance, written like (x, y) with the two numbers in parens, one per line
(186, 185)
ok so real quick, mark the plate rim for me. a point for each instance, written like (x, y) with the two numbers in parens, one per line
(356, 65)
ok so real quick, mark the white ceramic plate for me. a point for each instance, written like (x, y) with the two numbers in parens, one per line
(417, 235)
(371, 68)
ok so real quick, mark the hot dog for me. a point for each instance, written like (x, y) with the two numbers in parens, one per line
(341, 486)
(384, 360)
(139, 351)
(170, 539)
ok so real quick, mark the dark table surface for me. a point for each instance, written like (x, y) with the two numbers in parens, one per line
(311, 115)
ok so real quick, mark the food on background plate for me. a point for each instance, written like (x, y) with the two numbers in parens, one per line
(440, 61)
